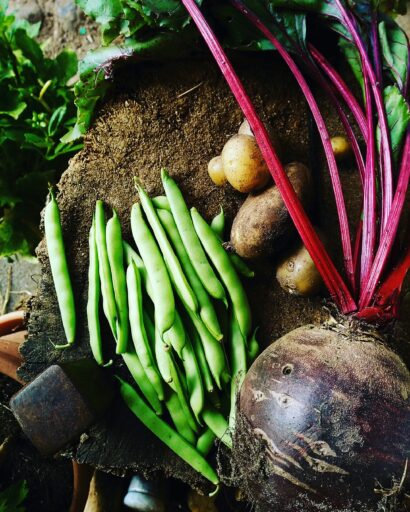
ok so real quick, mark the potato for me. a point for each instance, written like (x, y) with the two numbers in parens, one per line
(297, 274)
(263, 226)
(216, 171)
(245, 169)
(245, 129)
(341, 147)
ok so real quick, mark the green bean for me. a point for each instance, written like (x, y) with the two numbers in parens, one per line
(193, 379)
(213, 350)
(223, 265)
(162, 357)
(205, 442)
(116, 260)
(178, 418)
(176, 336)
(178, 386)
(161, 202)
(137, 371)
(206, 308)
(240, 265)
(219, 426)
(107, 289)
(218, 224)
(203, 364)
(93, 301)
(238, 365)
(218, 227)
(149, 329)
(253, 347)
(190, 239)
(138, 332)
(166, 434)
(175, 271)
(162, 294)
(131, 255)
(59, 269)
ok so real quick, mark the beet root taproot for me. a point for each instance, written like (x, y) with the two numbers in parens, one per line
(324, 424)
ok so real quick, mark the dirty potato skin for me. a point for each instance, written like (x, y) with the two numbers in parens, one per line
(262, 224)
(297, 274)
(331, 411)
(243, 164)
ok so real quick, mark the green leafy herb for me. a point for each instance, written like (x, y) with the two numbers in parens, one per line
(36, 110)
(12, 498)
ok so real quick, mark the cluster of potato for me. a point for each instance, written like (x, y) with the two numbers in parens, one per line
(262, 226)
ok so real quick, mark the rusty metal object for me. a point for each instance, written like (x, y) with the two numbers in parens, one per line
(60, 403)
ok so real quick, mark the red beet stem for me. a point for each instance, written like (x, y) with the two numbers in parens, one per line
(331, 277)
(386, 168)
(369, 197)
(324, 135)
(390, 231)
(342, 88)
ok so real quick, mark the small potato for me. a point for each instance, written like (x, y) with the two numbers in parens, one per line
(245, 129)
(216, 171)
(341, 147)
(263, 227)
(298, 275)
(244, 166)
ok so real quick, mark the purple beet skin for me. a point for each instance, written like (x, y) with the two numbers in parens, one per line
(332, 409)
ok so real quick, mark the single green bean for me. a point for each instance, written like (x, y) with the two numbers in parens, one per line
(237, 348)
(178, 386)
(190, 239)
(175, 271)
(161, 202)
(218, 227)
(162, 294)
(206, 308)
(93, 301)
(175, 337)
(218, 224)
(219, 426)
(107, 289)
(138, 332)
(205, 442)
(131, 255)
(203, 364)
(253, 347)
(193, 379)
(213, 350)
(178, 418)
(240, 265)
(166, 434)
(162, 357)
(147, 389)
(116, 260)
(223, 265)
(59, 269)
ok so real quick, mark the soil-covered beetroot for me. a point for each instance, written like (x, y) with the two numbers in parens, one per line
(330, 416)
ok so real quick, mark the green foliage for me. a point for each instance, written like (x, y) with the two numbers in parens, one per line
(398, 117)
(12, 498)
(36, 109)
(395, 51)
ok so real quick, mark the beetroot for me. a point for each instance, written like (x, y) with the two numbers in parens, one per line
(331, 413)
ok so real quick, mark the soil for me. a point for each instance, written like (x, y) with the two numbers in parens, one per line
(147, 124)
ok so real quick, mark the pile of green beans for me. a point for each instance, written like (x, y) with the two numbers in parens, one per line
(177, 309)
